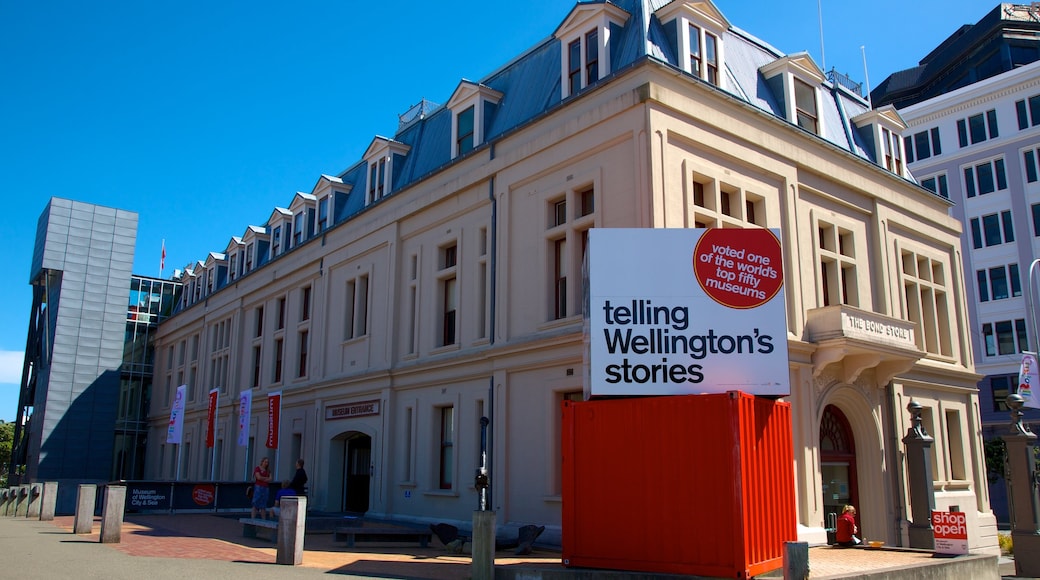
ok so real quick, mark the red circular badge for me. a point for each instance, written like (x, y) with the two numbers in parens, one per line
(739, 268)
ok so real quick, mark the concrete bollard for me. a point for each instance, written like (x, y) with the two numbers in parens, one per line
(23, 501)
(5, 497)
(83, 523)
(796, 560)
(112, 509)
(292, 523)
(48, 501)
(483, 566)
(32, 511)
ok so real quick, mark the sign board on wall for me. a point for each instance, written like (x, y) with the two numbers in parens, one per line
(951, 532)
(683, 311)
(351, 410)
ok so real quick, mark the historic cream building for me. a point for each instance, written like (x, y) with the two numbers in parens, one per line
(439, 280)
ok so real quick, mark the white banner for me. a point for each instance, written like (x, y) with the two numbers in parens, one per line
(687, 311)
(245, 405)
(176, 428)
(1028, 378)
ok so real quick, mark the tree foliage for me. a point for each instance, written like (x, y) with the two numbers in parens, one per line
(6, 441)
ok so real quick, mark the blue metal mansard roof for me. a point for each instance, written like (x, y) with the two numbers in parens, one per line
(531, 87)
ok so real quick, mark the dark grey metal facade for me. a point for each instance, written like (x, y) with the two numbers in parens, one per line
(81, 273)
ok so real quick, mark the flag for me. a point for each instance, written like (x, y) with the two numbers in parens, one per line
(274, 411)
(245, 405)
(176, 428)
(1028, 378)
(211, 419)
(162, 260)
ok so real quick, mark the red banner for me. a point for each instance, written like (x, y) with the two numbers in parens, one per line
(211, 419)
(274, 411)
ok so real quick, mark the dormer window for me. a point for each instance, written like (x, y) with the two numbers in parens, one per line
(795, 81)
(697, 29)
(472, 106)
(585, 38)
(381, 156)
(323, 215)
(807, 114)
(464, 131)
(882, 129)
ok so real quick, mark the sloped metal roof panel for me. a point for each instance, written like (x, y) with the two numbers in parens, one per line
(530, 86)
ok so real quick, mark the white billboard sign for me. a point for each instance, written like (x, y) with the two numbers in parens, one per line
(686, 311)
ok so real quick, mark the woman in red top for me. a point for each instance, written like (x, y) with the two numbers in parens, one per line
(261, 477)
(847, 529)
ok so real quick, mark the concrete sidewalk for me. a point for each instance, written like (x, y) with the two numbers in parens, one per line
(159, 547)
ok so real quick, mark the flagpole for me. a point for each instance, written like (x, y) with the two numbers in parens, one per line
(162, 259)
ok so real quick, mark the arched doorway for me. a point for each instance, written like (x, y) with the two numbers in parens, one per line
(837, 467)
(351, 471)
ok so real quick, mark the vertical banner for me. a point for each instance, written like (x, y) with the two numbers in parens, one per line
(176, 428)
(245, 404)
(211, 418)
(274, 411)
(1028, 377)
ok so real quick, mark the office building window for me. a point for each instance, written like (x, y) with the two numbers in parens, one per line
(1028, 112)
(985, 178)
(977, 128)
(1005, 337)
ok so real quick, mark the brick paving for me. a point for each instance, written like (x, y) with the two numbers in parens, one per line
(219, 537)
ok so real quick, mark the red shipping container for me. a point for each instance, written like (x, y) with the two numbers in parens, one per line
(688, 484)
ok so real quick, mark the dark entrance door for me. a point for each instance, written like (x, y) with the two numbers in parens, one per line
(837, 467)
(357, 467)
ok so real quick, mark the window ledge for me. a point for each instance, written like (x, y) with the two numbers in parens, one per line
(445, 348)
(441, 493)
(560, 322)
(552, 499)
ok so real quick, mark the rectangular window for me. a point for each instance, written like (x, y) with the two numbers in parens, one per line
(985, 178)
(977, 232)
(998, 283)
(955, 445)
(937, 184)
(978, 128)
(559, 213)
(278, 349)
(447, 447)
(276, 240)
(298, 230)
(323, 214)
(805, 106)
(586, 202)
(301, 369)
(1036, 218)
(711, 59)
(936, 144)
(695, 50)
(983, 285)
(574, 66)
(1030, 158)
(1016, 282)
(1009, 226)
(256, 365)
(1023, 117)
(356, 306)
(1034, 110)
(927, 301)
(305, 303)
(1005, 337)
(923, 147)
(908, 144)
(591, 57)
(449, 308)
(560, 278)
(464, 140)
(991, 226)
(259, 318)
(281, 314)
(1000, 388)
(837, 265)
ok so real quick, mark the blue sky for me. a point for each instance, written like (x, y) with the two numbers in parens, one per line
(203, 116)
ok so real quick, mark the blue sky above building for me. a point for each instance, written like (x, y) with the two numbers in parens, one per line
(203, 117)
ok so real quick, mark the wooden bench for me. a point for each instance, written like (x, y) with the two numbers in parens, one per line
(381, 534)
(257, 528)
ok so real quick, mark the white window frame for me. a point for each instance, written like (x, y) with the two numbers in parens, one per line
(586, 18)
(467, 95)
(708, 20)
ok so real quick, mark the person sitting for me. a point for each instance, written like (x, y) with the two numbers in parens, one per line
(285, 491)
(847, 528)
